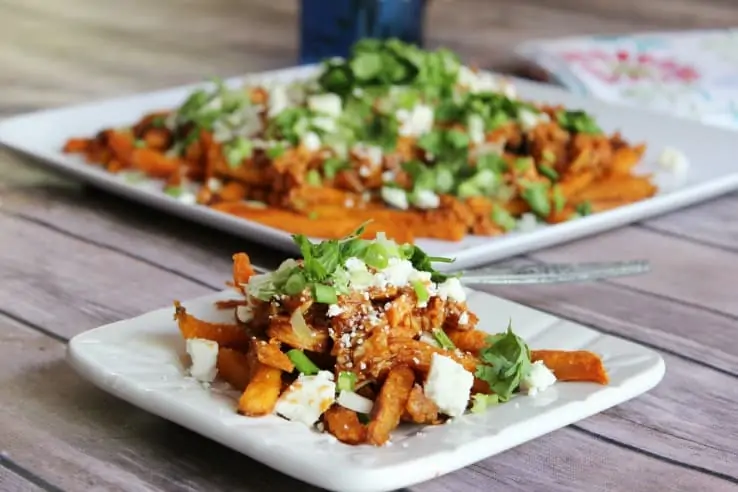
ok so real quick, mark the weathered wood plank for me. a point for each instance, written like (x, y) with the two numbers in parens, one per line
(713, 223)
(93, 440)
(680, 269)
(105, 298)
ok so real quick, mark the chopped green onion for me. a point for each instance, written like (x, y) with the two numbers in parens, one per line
(443, 340)
(559, 200)
(313, 215)
(302, 363)
(421, 291)
(332, 166)
(275, 151)
(503, 218)
(536, 195)
(457, 139)
(468, 189)
(324, 294)
(376, 255)
(444, 180)
(522, 164)
(363, 418)
(173, 191)
(584, 208)
(549, 172)
(238, 150)
(139, 144)
(313, 178)
(295, 283)
(346, 381)
(481, 402)
(158, 121)
(548, 156)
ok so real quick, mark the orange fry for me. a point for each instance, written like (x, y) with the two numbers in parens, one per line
(233, 367)
(390, 404)
(225, 335)
(268, 353)
(469, 340)
(262, 392)
(344, 425)
(242, 269)
(154, 163)
(577, 365)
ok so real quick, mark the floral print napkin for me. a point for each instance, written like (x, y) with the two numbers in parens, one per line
(693, 74)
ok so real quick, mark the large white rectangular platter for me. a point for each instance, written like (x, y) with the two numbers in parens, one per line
(142, 361)
(42, 134)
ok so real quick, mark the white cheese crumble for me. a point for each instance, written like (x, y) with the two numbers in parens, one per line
(354, 401)
(244, 314)
(426, 199)
(311, 142)
(307, 398)
(204, 356)
(187, 198)
(372, 153)
(334, 310)
(214, 184)
(464, 318)
(396, 197)
(528, 222)
(452, 289)
(328, 104)
(475, 127)
(538, 379)
(476, 82)
(674, 161)
(325, 123)
(388, 177)
(415, 122)
(278, 99)
(448, 385)
(529, 120)
(426, 337)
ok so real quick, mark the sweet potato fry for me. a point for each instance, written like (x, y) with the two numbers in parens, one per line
(577, 365)
(469, 340)
(233, 367)
(418, 355)
(344, 425)
(627, 188)
(76, 145)
(270, 354)
(232, 336)
(625, 159)
(242, 269)
(419, 408)
(262, 392)
(153, 163)
(390, 404)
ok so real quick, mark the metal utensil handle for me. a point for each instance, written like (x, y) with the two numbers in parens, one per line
(555, 273)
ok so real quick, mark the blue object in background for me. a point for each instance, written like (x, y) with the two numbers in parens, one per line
(330, 27)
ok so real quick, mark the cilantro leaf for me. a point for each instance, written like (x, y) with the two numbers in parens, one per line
(504, 362)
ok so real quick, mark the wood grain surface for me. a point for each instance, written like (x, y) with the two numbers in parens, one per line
(73, 258)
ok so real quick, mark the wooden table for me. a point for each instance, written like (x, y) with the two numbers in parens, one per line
(72, 258)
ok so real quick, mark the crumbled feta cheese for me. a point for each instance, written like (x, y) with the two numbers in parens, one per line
(396, 197)
(529, 120)
(397, 273)
(187, 197)
(538, 379)
(528, 222)
(204, 356)
(475, 127)
(328, 104)
(370, 152)
(365, 171)
(307, 398)
(311, 142)
(214, 184)
(448, 385)
(244, 314)
(464, 318)
(354, 264)
(426, 199)
(388, 177)
(334, 310)
(416, 122)
(278, 99)
(674, 161)
(452, 289)
(354, 401)
(477, 81)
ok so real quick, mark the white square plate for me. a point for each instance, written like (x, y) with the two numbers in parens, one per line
(713, 172)
(140, 361)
